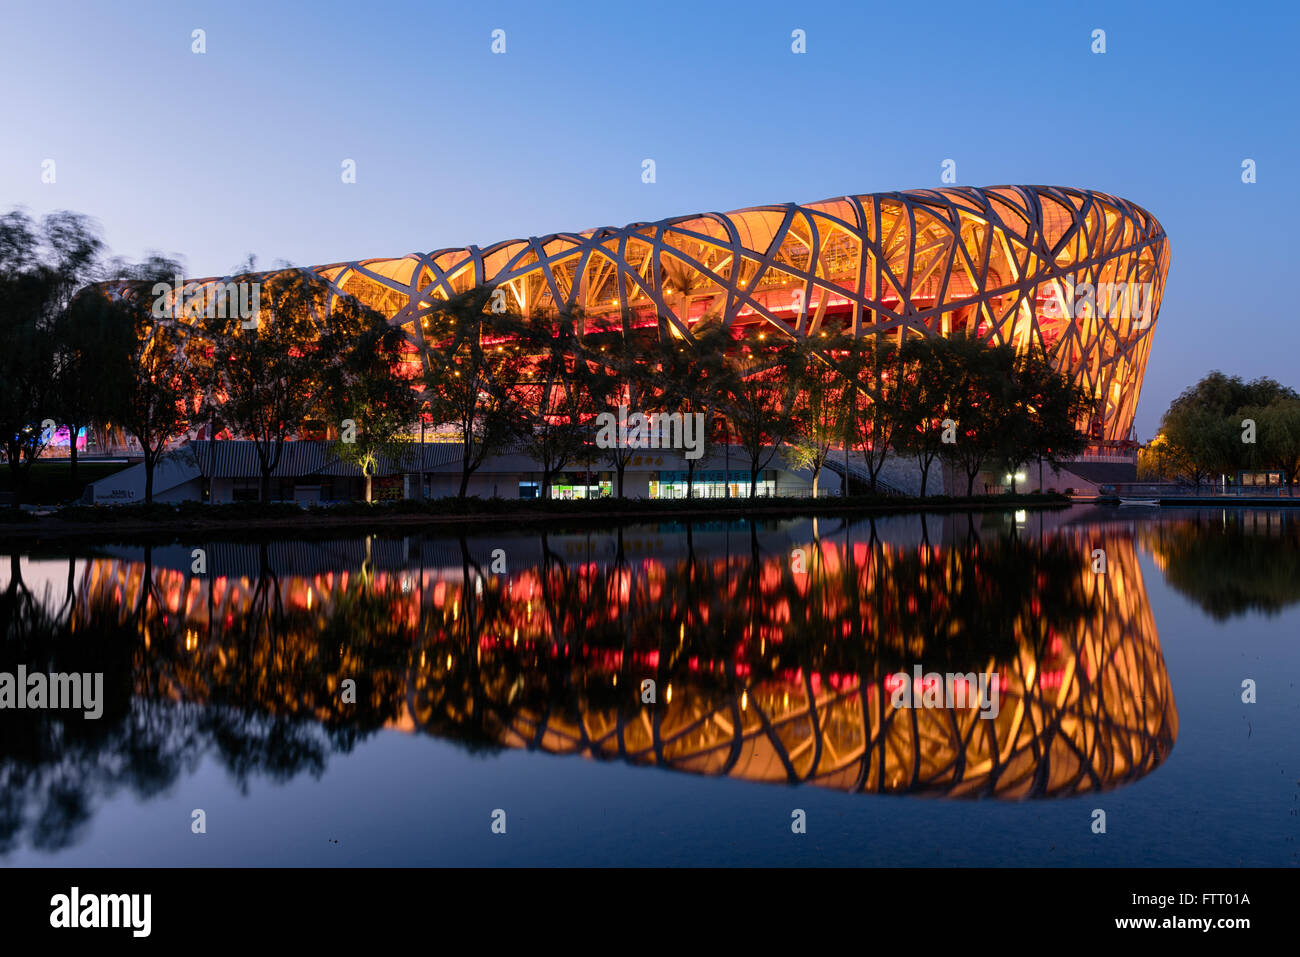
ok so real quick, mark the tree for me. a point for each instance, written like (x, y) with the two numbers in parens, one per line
(616, 378)
(1202, 431)
(371, 397)
(1040, 419)
(85, 340)
(79, 347)
(207, 328)
(982, 374)
(1278, 437)
(40, 270)
(472, 371)
(153, 386)
(875, 369)
(756, 399)
(925, 395)
(272, 368)
(1160, 459)
(689, 377)
(1224, 393)
(554, 393)
(24, 372)
(820, 403)
(1193, 446)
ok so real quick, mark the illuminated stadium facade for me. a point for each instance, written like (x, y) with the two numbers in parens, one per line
(1078, 271)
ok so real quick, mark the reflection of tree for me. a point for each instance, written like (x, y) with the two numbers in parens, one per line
(767, 667)
(1230, 563)
(259, 691)
(53, 763)
(447, 686)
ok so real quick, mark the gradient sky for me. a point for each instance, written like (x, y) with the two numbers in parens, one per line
(239, 150)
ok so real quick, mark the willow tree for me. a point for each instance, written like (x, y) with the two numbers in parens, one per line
(79, 347)
(41, 376)
(1203, 427)
(1279, 437)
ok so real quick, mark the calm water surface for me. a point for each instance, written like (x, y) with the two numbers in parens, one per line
(503, 672)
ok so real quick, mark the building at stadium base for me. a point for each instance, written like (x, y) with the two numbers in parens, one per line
(311, 473)
(1079, 272)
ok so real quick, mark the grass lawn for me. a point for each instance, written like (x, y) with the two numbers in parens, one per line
(49, 483)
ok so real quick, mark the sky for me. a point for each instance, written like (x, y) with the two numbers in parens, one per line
(239, 150)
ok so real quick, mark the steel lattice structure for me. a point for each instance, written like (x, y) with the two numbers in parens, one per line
(1006, 263)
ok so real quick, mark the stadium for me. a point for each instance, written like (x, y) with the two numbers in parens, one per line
(1079, 272)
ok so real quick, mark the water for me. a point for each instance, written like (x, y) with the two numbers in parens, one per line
(498, 677)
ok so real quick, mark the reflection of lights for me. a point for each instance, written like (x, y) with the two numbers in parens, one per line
(1021, 516)
(563, 616)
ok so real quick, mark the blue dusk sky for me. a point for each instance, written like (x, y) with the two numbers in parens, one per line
(239, 150)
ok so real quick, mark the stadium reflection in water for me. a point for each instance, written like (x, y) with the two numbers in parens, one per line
(771, 649)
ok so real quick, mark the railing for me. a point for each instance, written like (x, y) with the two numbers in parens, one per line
(1120, 458)
(1208, 490)
(859, 473)
(63, 453)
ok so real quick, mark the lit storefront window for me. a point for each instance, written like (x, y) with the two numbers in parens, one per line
(712, 484)
(570, 485)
